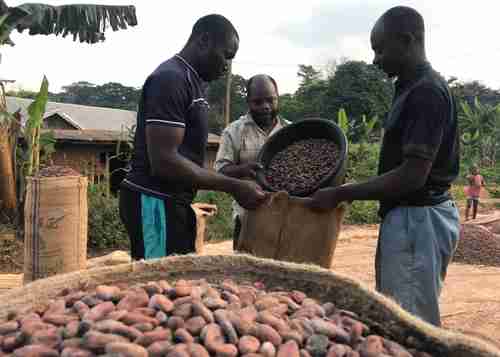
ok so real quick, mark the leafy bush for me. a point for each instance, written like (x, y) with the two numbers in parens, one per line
(362, 165)
(219, 227)
(494, 191)
(362, 212)
(457, 192)
(362, 162)
(491, 174)
(105, 229)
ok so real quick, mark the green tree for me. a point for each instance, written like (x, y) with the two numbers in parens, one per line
(480, 128)
(116, 95)
(110, 95)
(311, 92)
(82, 92)
(308, 75)
(361, 89)
(291, 108)
(216, 96)
(469, 91)
(28, 94)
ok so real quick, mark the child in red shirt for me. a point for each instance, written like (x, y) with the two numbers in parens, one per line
(476, 181)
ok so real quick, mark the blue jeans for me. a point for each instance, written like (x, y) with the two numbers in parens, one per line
(415, 246)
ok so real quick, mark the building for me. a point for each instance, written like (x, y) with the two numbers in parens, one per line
(88, 138)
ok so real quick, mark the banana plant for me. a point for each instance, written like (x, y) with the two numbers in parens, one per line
(343, 121)
(36, 110)
(367, 127)
(479, 127)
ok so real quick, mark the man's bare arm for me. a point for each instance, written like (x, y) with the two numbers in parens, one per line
(166, 163)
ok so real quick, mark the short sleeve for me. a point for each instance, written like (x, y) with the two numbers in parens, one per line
(166, 99)
(427, 114)
(226, 155)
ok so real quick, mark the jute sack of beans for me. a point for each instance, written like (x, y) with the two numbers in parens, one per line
(381, 315)
(284, 229)
(56, 215)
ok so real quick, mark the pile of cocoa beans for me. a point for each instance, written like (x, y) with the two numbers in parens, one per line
(57, 171)
(302, 165)
(478, 246)
(190, 319)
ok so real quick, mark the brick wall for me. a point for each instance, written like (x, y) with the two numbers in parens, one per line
(87, 159)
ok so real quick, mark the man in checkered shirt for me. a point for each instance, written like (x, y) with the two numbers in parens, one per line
(242, 140)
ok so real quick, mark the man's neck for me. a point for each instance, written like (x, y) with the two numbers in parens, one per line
(269, 125)
(190, 57)
(409, 72)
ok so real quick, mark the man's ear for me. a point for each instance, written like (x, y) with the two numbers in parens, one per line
(407, 38)
(204, 41)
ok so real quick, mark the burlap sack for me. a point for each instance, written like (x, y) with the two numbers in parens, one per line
(56, 215)
(115, 258)
(284, 229)
(202, 211)
(382, 315)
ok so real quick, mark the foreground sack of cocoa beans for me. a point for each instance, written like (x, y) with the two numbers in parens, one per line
(215, 306)
(192, 319)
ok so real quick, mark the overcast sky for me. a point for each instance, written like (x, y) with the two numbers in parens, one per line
(275, 36)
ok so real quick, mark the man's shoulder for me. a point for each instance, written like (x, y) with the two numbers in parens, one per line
(169, 70)
(237, 125)
(429, 92)
(432, 85)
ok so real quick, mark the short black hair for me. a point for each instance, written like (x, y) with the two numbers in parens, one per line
(404, 19)
(216, 26)
(257, 76)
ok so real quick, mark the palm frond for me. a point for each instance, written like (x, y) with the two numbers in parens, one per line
(84, 22)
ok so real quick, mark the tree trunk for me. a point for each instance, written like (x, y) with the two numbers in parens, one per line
(227, 104)
(8, 202)
(7, 183)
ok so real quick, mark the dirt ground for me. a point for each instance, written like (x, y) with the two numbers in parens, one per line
(470, 301)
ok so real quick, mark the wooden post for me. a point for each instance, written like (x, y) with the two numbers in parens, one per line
(227, 104)
(93, 170)
(107, 177)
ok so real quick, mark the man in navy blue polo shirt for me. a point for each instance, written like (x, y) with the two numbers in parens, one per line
(170, 143)
(418, 161)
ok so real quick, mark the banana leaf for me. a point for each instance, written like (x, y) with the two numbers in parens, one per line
(343, 121)
(86, 23)
(36, 111)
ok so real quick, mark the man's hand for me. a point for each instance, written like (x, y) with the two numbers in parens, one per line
(249, 195)
(248, 170)
(324, 199)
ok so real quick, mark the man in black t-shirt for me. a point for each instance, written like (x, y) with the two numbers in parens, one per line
(170, 143)
(419, 159)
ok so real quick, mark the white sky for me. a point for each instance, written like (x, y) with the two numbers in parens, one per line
(275, 36)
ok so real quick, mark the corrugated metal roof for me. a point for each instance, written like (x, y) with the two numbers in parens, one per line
(102, 136)
(94, 123)
(91, 136)
(81, 116)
